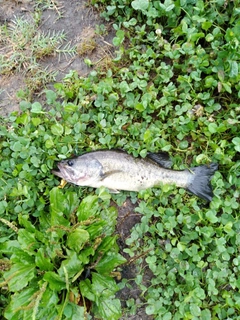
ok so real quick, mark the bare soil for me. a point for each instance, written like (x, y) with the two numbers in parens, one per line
(78, 21)
(127, 219)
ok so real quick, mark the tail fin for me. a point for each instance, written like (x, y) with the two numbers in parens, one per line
(200, 186)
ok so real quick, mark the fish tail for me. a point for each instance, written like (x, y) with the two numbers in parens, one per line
(200, 185)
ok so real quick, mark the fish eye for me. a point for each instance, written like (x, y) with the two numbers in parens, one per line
(70, 163)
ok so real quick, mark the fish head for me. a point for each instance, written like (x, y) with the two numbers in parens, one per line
(82, 171)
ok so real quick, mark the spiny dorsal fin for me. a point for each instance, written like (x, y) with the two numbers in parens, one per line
(161, 158)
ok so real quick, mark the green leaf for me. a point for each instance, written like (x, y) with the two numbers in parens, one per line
(57, 129)
(96, 229)
(209, 37)
(119, 38)
(77, 239)
(49, 143)
(140, 4)
(49, 301)
(236, 142)
(103, 286)
(147, 135)
(108, 243)
(51, 96)
(205, 314)
(27, 240)
(19, 300)
(88, 62)
(104, 193)
(167, 316)
(124, 87)
(86, 289)
(17, 146)
(140, 107)
(23, 119)
(212, 127)
(211, 216)
(183, 144)
(167, 6)
(233, 69)
(19, 276)
(58, 205)
(55, 281)
(227, 86)
(85, 254)
(35, 161)
(221, 244)
(195, 310)
(36, 108)
(88, 207)
(73, 265)
(110, 309)
(43, 262)
(150, 309)
(74, 312)
(110, 214)
(206, 25)
(36, 121)
(109, 262)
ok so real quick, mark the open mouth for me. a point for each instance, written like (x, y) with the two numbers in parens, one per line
(59, 171)
(68, 174)
(56, 172)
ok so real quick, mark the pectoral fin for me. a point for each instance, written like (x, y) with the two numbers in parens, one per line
(106, 174)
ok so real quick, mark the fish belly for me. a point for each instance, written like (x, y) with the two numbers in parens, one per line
(129, 181)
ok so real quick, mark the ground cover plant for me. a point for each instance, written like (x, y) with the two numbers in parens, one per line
(173, 86)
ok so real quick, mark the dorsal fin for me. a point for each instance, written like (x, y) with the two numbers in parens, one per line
(161, 158)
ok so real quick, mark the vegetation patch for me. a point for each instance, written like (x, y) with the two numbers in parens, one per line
(173, 86)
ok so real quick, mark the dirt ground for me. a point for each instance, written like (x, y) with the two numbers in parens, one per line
(127, 218)
(78, 21)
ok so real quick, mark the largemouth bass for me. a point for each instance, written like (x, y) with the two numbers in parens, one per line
(117, 170)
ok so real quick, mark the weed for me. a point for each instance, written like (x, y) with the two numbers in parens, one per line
(55, 5)
(86, 47)
(70, 252)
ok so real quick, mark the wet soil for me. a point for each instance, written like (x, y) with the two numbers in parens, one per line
(78, 21)
(127, 219)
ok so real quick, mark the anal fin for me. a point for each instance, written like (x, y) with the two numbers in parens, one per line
(113, 190)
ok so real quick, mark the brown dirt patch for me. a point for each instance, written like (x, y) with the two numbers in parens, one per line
(78, 22)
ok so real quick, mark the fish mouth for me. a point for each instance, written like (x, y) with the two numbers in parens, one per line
(56, 172)
(60, 171)
(67, 174)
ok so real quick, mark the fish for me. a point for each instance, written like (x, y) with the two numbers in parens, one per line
(117, 170)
